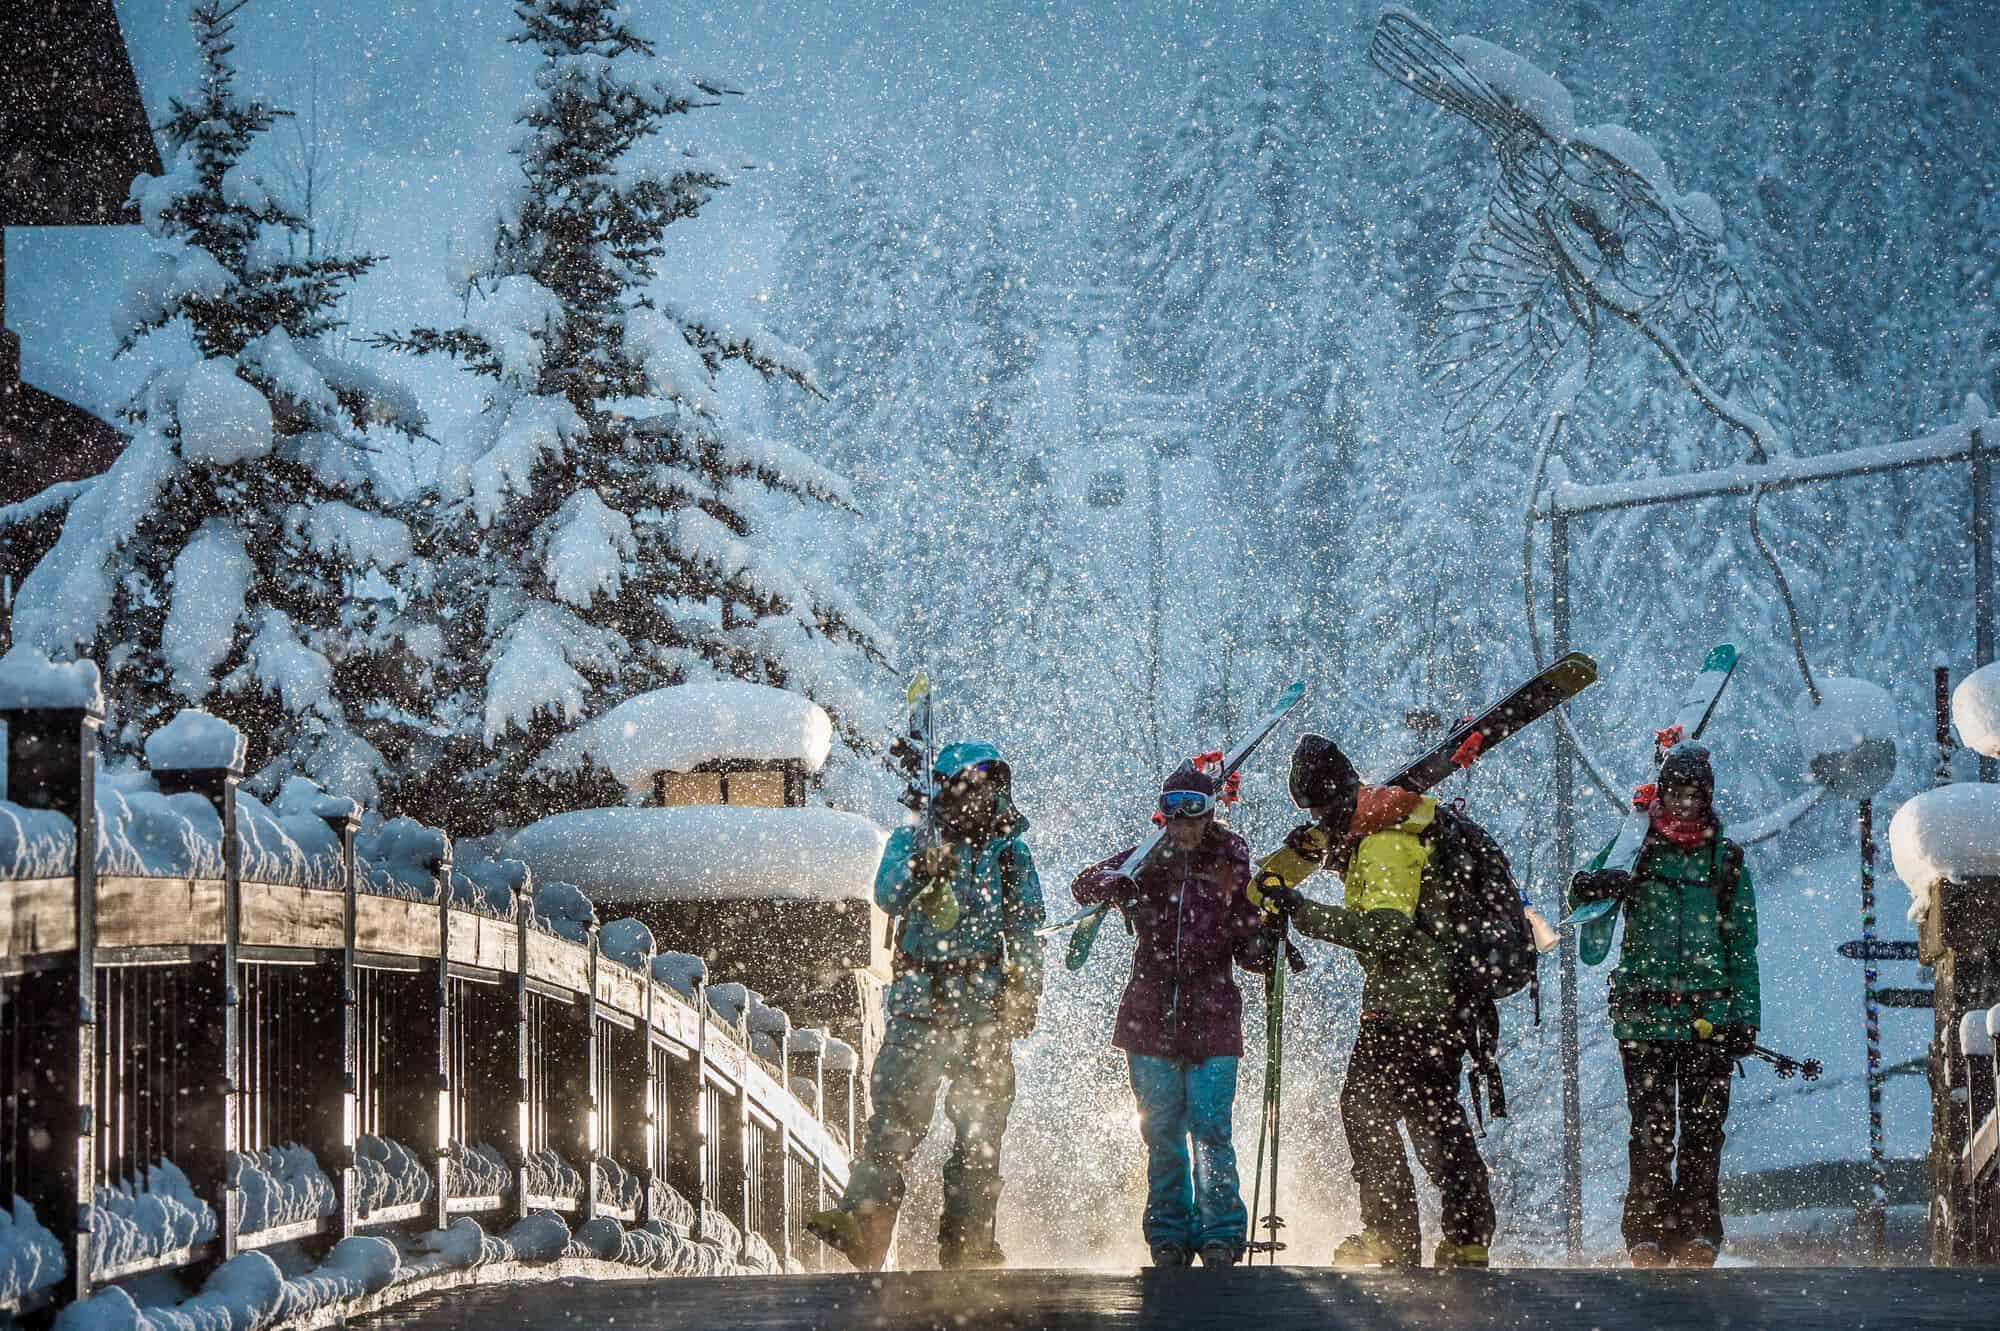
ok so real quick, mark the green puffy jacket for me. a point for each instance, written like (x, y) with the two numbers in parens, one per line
(1685, 955)
(1392, 926)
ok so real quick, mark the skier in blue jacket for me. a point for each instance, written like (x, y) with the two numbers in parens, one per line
(968, 983)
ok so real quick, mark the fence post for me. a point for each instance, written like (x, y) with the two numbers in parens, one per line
(1982, 572)
(594, 1055)
(212, 1168)
(338, 1084)
(1567, 1039)
(519, 1146)
(52, 765)
(441, 1163)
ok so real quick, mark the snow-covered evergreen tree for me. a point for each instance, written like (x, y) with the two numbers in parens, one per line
(600, 535)
(232, 557)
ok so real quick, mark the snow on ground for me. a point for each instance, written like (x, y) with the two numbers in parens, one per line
(31, 1258)
(678, 729)
(706, 853)
(1975, 710)
(1952, 832)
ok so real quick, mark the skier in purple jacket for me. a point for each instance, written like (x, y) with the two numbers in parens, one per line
(1181, 1020)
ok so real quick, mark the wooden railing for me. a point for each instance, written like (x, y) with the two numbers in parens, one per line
(196, 1020)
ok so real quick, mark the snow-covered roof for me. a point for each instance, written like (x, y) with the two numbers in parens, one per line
(1975, 710)
(679, 728)
(712, 852)
(1951, 833)
(29, 679)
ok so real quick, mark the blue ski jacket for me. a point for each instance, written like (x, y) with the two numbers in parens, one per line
(958, 975)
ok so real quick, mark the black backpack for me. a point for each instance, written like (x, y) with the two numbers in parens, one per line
(1472, 891)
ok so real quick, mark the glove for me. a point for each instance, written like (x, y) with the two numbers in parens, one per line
(1020, 1009)
(1737, 1039)
(1602, 885)
(1308, 841)
(1281, 900)
(933, 864)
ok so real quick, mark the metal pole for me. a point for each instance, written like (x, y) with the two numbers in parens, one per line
(1565, 811)
(1156, 614)
(1942, 708)
(1878, 1169)
(1982, 572)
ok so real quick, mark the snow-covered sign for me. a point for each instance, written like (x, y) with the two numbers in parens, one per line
(1948, 834)
(705, 853)
(1848, 737)
(1975, 710)
(679, 728)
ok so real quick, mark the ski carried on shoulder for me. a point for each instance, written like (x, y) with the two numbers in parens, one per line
(1690, 720)
(1537, 697)
(1088, 921)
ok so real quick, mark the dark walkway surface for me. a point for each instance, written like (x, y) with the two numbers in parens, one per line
(1253, 1300)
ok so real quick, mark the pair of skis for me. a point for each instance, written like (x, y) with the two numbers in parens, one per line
(1457, 751)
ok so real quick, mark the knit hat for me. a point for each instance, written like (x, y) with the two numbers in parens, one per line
(1189, 777)
(1687, 765)
(1322, 778)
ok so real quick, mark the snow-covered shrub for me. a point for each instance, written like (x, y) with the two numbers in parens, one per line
(564, 911)
(191, 567)
(477, 1171)
(757, 1254)
(549, 1175)
(681, 972)
(628, 942)
(617, 1185)
(607, 489)
(671, 1209)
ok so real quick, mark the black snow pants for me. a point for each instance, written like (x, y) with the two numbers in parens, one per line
(1665, 1205)
(1405, 1073)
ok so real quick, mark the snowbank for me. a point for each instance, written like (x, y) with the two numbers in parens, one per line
(1849, 738)
(35, 843)
(678, 729)
(549, 1175)
(477, 1171)
(1952, 832)
(398, 858)
(1975, 710)
(618, 1186)
(29, 679)
(706, 853)
(564, 911)
(30, 1256)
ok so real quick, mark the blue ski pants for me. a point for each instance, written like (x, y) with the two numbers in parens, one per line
(1193, 1196)
(916, 1058)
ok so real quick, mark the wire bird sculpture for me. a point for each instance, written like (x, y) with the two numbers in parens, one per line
(1583, 222)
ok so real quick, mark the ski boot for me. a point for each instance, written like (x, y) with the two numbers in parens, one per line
(960, 1251)
(863, 1236)
(1371, 1249)
(1449, 1255)
(1216, 1256)
(1648, 1255)
(1694, 1252)
(1170, 1255)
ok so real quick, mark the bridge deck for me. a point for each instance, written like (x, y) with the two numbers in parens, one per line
(1915, 1299)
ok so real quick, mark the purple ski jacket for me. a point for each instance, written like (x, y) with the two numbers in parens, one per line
(1193, 920)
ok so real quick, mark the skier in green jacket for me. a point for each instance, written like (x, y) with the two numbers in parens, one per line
(1684, 1007)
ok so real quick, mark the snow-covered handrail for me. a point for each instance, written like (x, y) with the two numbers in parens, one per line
(1951, 444)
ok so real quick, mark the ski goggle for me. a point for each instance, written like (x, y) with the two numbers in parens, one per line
(965, 776)
(1185, 803)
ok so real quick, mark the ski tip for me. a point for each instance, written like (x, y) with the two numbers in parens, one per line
(920, 687)
(1578, 667)
(1722, 656)
(1290, 697)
